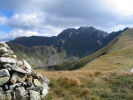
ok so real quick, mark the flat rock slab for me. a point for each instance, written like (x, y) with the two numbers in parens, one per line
(18, 69)
(8, 60)
(4, 76)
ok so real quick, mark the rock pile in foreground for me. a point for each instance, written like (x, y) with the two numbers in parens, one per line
(18, 81)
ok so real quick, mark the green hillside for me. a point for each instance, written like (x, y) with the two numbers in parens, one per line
(118, 58)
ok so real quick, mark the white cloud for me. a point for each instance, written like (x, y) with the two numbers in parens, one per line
(50, 17)
(3, 20)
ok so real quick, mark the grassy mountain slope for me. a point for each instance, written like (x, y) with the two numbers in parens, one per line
(89, 85)
(118, 58)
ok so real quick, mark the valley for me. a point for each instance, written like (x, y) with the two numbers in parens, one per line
(104, 74)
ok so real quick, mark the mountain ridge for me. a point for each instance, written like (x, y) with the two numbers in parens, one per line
(70, 45)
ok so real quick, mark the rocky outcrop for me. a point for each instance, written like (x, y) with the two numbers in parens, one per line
(18, 81)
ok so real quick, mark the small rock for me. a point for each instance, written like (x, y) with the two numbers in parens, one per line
(18, 69)
(19, 63)
(131, 70)
(5, 55)
(15, 85)
(17, 77)
(29, 81)
(2, 96)
(5, 45)
(27, 66)
(14, 56)
(21, 93)
(46, 80)
(4, 76)
(6, 87)
(37, 83)
(34, 95)
(7, 60)
(13, 79)
(10, 52)
(44, 91)
(3, 50)
(8, 96)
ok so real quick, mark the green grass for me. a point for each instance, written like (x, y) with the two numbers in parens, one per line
(89, 85)
(118, 58)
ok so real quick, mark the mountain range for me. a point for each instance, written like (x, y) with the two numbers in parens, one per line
(70, 49)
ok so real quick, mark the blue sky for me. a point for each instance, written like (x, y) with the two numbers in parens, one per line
(50, 17)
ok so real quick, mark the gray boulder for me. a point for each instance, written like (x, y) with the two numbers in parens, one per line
(4, 76)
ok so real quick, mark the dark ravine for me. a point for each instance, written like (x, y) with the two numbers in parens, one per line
(70, 45)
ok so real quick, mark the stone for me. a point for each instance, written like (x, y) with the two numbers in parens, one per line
(17, 77)
(44, 91)
(46, 80)
(27, 66)
(2, 96)
(131, 70)
(18, 69)
(2, 44)
(5, 45)
(4, 76)
(13, 79)
(7, 60)
(8, 96)
(10, 52)
(37, 89)
(15, 85)
(5, 55)
(21, 93)
(14, 56)
(37, 83)
(29, 81)
(3, 50)
(21, 78)
(34, 95)
(6, 87)
(19, 63)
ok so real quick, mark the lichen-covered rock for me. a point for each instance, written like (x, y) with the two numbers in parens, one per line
(4, 76)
